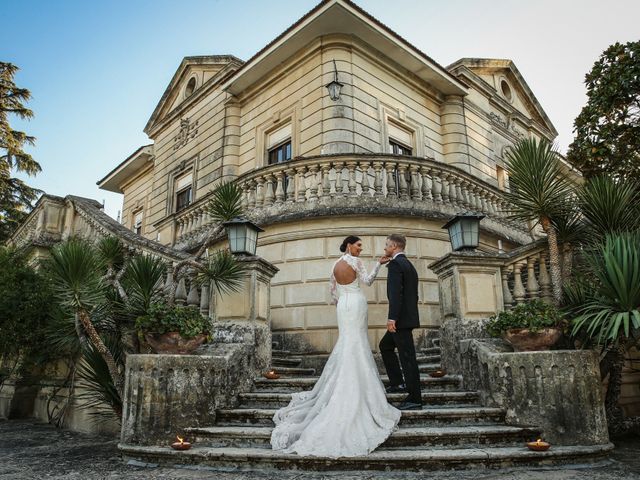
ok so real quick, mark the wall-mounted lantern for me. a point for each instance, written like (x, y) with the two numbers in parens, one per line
(335, 86)
(243, 236)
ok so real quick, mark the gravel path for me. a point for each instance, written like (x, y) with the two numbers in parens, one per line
(30, 450)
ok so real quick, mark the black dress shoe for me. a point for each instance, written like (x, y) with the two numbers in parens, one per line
(396, 388)
(410, 406)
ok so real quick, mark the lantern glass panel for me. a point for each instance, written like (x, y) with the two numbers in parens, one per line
(469, 232)
(455, 234)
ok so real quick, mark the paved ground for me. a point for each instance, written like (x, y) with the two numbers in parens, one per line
(31, 450)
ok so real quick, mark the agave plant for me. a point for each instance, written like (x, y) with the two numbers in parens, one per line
(76, 270)
(539, 189)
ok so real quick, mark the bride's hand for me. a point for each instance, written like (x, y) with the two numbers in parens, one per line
(384, 259)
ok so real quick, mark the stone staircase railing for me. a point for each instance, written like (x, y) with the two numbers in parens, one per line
(525, 275)
(334, 181)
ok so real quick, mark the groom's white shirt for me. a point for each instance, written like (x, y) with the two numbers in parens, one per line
(396, 254)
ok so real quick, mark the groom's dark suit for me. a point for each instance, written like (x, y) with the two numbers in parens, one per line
(402, 292)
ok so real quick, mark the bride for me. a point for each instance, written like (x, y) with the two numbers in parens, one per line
(346, 414)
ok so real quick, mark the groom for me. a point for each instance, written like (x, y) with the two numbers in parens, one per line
(402, 292)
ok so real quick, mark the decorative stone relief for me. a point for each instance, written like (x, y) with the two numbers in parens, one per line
(187, 131)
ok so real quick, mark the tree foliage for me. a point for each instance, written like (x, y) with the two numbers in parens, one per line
(608, 127)
(16, 197)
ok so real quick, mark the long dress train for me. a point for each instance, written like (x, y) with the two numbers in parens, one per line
(346, 413)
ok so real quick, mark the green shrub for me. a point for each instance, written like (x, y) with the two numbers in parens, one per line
(162, 318)
(535, 315)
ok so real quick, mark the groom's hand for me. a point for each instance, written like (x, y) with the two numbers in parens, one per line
(391, 326)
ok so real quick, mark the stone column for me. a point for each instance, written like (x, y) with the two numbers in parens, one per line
(245, 316)
(470, 286)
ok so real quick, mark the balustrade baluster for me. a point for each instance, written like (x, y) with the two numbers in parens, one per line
(506, 293)
(426, 184)
(301, 184)
(518, 288)
(352, 179)
(193, 299)
(326, 180)
(344, 180)
(181, 292)
(402, 182)
(452, 189)
(436, 186)
(364, 168)
(313, 188)
(391, 182)
(259, 192)
(252, 193)
(444, 187)
(533, 290)
(279, 187)
(377, 181)
(169, 283)
(416, 193)
(204, 299)
(180, 228)
(245, 195)
(459, 193)
(269, 194)
(291, 184)
(545, 279)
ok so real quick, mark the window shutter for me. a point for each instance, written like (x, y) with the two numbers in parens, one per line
(400, 135)
(184, 181)
(279, 136)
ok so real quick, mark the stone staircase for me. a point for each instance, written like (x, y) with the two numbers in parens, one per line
(452, 431)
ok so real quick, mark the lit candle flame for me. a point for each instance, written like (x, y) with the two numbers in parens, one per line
(180, 439)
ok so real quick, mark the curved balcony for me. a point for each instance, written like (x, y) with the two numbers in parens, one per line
(361, 184)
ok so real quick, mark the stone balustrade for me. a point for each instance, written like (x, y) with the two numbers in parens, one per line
(391, 184)
(525, 275)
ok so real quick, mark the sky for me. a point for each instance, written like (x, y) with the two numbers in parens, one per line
(97, 69)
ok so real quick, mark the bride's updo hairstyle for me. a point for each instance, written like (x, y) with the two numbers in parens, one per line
(351, 239)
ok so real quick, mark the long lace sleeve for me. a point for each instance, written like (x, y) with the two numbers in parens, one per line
(365, 277)
(333, 289)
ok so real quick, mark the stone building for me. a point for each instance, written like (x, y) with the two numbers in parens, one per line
(405, 144)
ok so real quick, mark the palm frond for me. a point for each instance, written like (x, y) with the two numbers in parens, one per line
(538, 186)
(226, 202)
(99, 394)
(224, 271)
(143, 280)
(111, 252)
(609, 205)
(75, 269)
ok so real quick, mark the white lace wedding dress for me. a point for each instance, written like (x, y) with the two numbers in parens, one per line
(346, 414)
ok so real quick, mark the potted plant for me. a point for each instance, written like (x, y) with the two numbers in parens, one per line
(172, 328)
(529, 326)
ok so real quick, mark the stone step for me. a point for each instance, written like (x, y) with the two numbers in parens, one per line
(249, 459)
(428, 367)
(277, 400)
(436, 342)
(296, 384)
(285, 361)
(280, 353)
(428, 416)
(406, 437)
(431, 351)
(294, 371)
(429, 359)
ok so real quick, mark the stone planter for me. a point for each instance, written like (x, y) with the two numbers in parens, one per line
(523, 340)
(173, 343)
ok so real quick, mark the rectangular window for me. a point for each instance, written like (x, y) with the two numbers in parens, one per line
(137, 222)
(183, 191)
(279, 145)
(398, 149)
(400, 140)
(280, 153)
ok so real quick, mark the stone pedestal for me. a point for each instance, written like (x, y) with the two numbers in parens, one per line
(558, 390)
(470, 291)
(245, 316)
(164, 394)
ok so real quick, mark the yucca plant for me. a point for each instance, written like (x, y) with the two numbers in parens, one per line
(538, 192)
(224, 271)
(143, 279)
(76, 270)
(609, 206)
(606, 309)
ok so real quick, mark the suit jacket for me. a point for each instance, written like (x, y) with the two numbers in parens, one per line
(402, 292)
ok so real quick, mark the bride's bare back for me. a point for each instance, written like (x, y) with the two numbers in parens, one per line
(344, 273)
